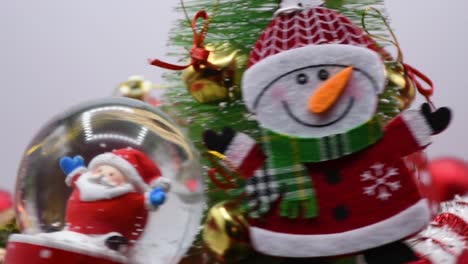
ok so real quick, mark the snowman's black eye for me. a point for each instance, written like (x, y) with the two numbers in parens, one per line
(302, 78)
(323, 75)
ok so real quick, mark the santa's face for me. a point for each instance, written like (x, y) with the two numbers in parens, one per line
(315, 91)
(99, 184)
(109, 175)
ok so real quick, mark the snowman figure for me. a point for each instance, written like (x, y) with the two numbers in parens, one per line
(109, 205)
(326, 179)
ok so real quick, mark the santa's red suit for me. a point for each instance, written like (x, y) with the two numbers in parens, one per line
(365, 200)
(125, 214)
(94, 209)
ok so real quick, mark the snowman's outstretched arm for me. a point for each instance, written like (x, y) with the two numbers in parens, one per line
(240, 150)
(411, 131)
(72, 167)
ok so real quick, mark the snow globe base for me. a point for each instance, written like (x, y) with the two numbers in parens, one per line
(26, 249)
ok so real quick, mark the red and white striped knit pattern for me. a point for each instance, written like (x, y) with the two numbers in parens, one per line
(446, 239)
(312, 26)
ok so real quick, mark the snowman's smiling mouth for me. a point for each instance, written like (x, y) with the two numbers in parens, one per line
(295, 118)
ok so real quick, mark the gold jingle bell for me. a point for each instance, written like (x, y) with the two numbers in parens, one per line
(226, 234)
(218, 80)
(398, 77)
(135, 87)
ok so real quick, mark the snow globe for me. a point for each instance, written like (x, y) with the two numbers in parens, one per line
(110, 181)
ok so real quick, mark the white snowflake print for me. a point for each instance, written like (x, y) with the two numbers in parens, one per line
(382, 184)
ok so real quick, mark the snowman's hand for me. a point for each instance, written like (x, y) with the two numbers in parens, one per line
(241, 152)
(218, 141)
(438, 120)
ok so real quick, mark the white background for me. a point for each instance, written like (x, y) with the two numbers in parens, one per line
(55, 54)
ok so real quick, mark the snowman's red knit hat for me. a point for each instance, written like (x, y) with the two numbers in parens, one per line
(142, 172)
(309, 26)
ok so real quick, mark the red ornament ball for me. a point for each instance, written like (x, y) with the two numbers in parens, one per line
(449, 177)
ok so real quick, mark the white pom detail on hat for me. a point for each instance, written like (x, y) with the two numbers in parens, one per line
(290, 6)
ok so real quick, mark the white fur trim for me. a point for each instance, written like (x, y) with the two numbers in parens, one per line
(239, 149)
(79, 248)
(123, 165)
(258, 77)
(162, 182)
(73, 174)
(399, 226)
(418, 126)
(91, 191)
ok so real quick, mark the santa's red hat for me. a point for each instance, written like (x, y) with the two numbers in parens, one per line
(141, 171)
(296, 26)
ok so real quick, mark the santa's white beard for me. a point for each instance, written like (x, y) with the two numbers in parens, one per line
(94, 188)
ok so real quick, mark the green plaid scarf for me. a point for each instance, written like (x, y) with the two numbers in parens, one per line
(287, 154)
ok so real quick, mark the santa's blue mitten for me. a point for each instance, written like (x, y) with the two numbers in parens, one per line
(157, 197)
(68, 164)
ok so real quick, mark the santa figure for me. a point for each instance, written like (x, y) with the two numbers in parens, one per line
(111, 198)
(326, 178)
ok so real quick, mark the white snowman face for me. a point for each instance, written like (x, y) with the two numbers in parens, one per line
(280, 89)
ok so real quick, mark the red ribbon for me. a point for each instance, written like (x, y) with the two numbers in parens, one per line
(417, 77)
(198, 53)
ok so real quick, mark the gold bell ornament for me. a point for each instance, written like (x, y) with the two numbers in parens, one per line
(218, 80)
(399, 79)
(215, 70)
(136, 87)
(226, 233)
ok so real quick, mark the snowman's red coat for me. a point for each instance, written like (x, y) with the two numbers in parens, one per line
(349, 220)
(125, 214)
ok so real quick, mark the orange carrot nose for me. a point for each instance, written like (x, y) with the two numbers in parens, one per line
(327, 94)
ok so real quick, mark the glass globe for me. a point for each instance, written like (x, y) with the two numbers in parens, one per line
(102, 126)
